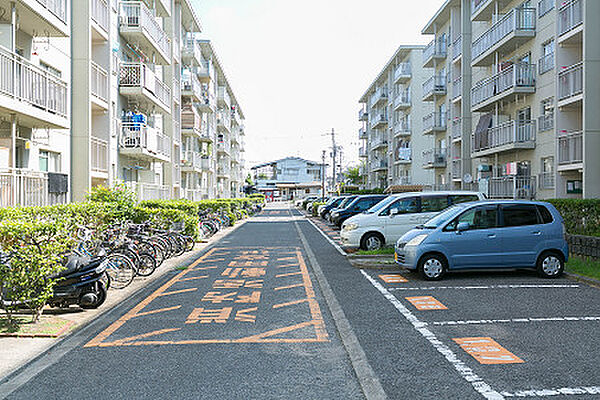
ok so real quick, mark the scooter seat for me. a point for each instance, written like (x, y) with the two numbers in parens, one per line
(73, 264)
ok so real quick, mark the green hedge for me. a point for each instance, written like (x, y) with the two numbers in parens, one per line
(364, 191)
(582, 216)
(315, 207)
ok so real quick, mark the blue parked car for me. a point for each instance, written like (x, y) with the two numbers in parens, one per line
(487, 234)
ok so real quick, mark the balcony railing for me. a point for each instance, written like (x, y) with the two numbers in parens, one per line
(546, 63)
(402, 127)
(191, 84)
(436, 48)
(378, 141)
(402, 70)
(514, 76)
(546, 122)
(195, 194)
(434, 158)
(544, 7)
(192, 49)
(362, 152)
(434, 121)
(403, 154)
(99, 13)
(378, 119)
(149, 191)
(223, 95)
(135, 14)
(512, 187)
(139, 75)
(402, 98)
(26, 82)
(191, 159)
(546, 180)
(363, 115)
(570, 81)
(570, 16)
(224, 119)
(457, 88)
(99, 83)
(19, 187)
(99, 155)
(511, 132)
(404, 180)
(457, 48)
(135, 135)
(380, 94)
(476, 5)
(517, 19)
(362, 133)
(456, 128)
(570, 148)
(56, 7)
(379, 164)
(176, 90)
(456, 168)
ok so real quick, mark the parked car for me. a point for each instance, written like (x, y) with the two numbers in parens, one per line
(331, 204)
(308, 199)
(309, 205)
(487, 234)
(342, 205)
(387, 221)
(358, 205)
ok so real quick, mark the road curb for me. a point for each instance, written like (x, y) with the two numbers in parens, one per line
(581, 278)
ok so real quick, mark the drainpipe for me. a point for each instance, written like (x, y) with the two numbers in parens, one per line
(13, 26)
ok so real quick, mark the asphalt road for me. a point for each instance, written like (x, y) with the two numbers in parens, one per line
(275, 311)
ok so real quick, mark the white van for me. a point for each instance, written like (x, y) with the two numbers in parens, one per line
(388, 220)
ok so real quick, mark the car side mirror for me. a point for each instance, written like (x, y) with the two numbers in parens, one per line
(463, 226)
(394, 211)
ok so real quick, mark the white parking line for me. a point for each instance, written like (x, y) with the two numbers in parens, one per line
(334, 244)
(489, 287)
(554, 392)
(465, 372)
(506, 321)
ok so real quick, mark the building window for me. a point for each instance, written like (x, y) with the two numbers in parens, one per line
(547, 175)
(546, 120)
(49, 161)
(546, 62)
(51, 69)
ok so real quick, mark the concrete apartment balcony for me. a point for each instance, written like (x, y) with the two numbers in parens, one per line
(99, 157)
(139, 27)
(99, 87)
(223, 121)
(434, 122)
(570, 23)
(46, 17)
(570, 151)
(379, 165)
(362, 134)
(457, 49)
(378, 143)
(144, 142)
(149, 191)
(362, 152)
(402, 128)
(36, 96)
(505, 85)
(434, 158)
(402, 100)
(191, 124)
(191, 161)
(99, 14)
(509, 32)
(223, 99)
(191, 88)
(546, 123)
(434, 86)
(139, 83)
(509, 136)
(544, 7)
(403, 155)
(456, 130)
(224, 146)
(363, 115)
(482, 10)
(512, 187)
(208, 104)
(402, 73)
(194, 194)
(205, 71)
(176, 90)
(379, 121)
(191, 54)
(223, 171)
(457, 89)
(437, 49)
(379, 97)
(570, 86)
(26, 188)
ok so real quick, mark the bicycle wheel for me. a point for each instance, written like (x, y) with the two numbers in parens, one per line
(120, 269)
(147, 264)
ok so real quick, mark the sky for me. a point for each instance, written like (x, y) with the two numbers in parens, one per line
(298, 68)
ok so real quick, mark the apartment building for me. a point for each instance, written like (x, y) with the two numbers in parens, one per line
(35, 117)
(513, 90)
(288, 178)
(391, 115)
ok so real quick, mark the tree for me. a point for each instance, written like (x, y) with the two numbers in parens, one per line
(249, 180)
(353, 176)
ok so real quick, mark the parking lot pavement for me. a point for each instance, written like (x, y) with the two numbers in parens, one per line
(330, 230)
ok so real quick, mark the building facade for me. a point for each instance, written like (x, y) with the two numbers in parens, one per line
(288, 178)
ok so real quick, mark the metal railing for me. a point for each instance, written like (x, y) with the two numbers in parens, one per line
(192, 48)
(362, 114)
(436, 83)
(457, 88)
(544, 7)
(456, 128)
(20, 187)
(512, 187)
(513, 76)
(457, 47)
(223, 95)
(403, 154)
(546, 180)
(546, 122)
(402, 126)
(476, 5)
(135, 14)
(570, 15)
(26, 82)
(362, 133)
(517, 19)
(149, 191)
(570, 81)
(434, 120)
(192, 84)
(99, 81)
(378, 141)
(195, 194)
(223, 170)
(403, 97)
(403, 69)
(176, 131)
(191, 159)
(99, 13)
(546, 63)
(570, 148)
(379, 118)
(404, 180)
(224, 119)
(510, 132)
(56, 7)
(99, 156)
(434, 157)
(362, 152)
(139, 135)
(176, 90)
(139, 75)
(436, 48)
(380, 94)
(379, 164)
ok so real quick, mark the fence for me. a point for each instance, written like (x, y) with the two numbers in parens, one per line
(26, 188)
(586, 246)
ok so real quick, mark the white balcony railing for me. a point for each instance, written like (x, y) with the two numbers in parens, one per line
(402, 70)
(402, 126)
(56, 7)
(546, 63)
(99, 82)
(434, 120)
(139, 75)
(476, 5)
(403, 154)
(99, 156)
(457, 48)
(26, 82)
(436, 48)
(570, 81)
(570, 16)
(135, 14)
(512, 187)
(191, 84)
(380, 94)
(223, 95)
(457, 88)
(513, 76)
(434, 85)
(546, 180)
(149, 191)
(456, 128)
(511, 132)
(378, 164)
(192, 49)
(191, 159)
(570, 148)
(545, 6)
(378, 119)
(434, 157)
(363, 115)
(195, 194)
(99, 13)
(135, 135)
(362, 133)
(402, 98)
(362, 152)
(517, 19)
(546, 122)
(19, 187)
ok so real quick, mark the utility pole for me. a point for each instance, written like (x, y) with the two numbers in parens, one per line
(334, 156)
(323, 175)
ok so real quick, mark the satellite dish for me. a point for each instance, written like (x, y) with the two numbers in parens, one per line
(468, 178)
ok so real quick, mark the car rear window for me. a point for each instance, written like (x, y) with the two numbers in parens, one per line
(545, 214)
(434, 203)
(520, 215)
(462, 198)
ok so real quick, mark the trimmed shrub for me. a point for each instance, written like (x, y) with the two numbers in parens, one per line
(582, 216)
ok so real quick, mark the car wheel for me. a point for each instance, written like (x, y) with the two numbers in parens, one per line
(432, 267)
(550, 265)
(372, 241)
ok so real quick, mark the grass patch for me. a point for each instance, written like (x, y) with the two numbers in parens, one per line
(380, 252)
(47, 326)
(584, 266)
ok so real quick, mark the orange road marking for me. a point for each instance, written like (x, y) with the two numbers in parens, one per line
(393, 278)
(131, 313)
(259, 337)
(203, 268)
(243, 315)
(288, 287)
(145, 335)
(215, 260)
(287, 265)
(288, 274)
(193, 278)
(315, 311)
(426, 303)
(157, 311)
(286, 259)
(487, 351)
(178, 291)
(290, 303)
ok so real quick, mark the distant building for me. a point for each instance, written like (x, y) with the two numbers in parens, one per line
(288, 178)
